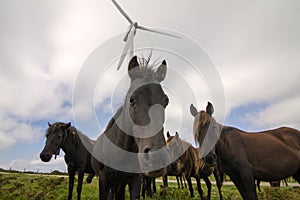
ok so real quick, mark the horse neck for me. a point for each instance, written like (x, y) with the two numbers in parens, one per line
(69, 146)
(117, 135)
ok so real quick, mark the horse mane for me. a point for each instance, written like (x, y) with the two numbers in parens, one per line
(200, 120)
(72, 133)
(112, 120)
(75, 137)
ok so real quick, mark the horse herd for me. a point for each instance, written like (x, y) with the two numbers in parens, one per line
(245, 157)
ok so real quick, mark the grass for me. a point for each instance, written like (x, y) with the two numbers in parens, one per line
(21, 186)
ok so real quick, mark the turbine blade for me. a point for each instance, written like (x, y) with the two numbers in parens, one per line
(131, 49)
(154, 31)
(128, 44)
(122, 11)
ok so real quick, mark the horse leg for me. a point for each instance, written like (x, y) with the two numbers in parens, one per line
(165, 180)
(184, 180)
(144, 187)
(208, 185)
(200, 191)
(149, 186)
(249, 183)
(181, 183)
(285, 181)
(178, 183)
(154, 186)
(217, 178)
(103, 186)
(120, 192)
(296, 176)
(258, 185)
(234, 177)
(190, 186)
(135, 187)
(80, 180)
(71, 173)
(242, 176)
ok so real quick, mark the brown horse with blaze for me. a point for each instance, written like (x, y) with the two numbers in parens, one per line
(270, 155)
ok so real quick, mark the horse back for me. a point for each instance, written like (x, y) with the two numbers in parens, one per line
(271, 154)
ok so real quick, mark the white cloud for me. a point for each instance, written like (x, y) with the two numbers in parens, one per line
(6, 141)
(282, 113)
(36, 165)
(255, 46)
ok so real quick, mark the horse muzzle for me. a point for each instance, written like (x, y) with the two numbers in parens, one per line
(45, 157)
(154, 163)
(210, 159)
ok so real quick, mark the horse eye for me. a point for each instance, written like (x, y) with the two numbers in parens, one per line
(132, 101)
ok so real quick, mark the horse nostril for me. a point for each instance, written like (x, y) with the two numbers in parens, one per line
(146, 153)
(146, 150)
(45, 157)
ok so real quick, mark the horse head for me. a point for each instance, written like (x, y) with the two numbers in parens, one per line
(205, 125)
(55, 138)
(144, 108)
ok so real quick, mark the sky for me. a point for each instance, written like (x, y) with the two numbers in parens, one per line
(253, 46)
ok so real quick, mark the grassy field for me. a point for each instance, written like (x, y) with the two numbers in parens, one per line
(23, 186)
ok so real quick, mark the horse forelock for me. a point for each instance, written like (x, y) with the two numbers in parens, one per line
(145, 70)
(201, 119)
(51, 129)
(71, 131)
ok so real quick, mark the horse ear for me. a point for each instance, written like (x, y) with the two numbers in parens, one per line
(176, 135)
(66, 126)
(168, 134)
(209, 109)
(49, 124)
(133, 63)
(193, 110)
(161, 72)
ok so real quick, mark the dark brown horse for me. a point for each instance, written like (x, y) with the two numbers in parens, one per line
(270, 155)
(191, 165)
(133, 142)
(64, 136)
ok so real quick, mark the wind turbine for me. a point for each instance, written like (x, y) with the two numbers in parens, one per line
(131, 33)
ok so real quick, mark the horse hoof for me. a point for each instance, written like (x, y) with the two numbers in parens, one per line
(88, 180)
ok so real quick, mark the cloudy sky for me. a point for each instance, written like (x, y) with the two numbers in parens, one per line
(254, 47)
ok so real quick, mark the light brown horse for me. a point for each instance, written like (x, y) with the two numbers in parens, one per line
(191, 165)
(270, 155)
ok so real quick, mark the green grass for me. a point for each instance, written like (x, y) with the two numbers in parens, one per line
(39, 187)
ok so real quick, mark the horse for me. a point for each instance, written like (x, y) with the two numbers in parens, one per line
(191, 165)
(270, 155)
(128, 131)
(66, 137)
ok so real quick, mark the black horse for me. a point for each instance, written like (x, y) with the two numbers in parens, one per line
(134, 136)
(270, 155)
(64, 136)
